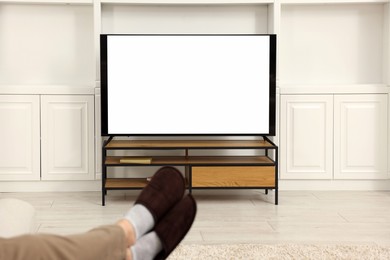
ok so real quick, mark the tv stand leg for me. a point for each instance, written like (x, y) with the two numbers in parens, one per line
(276, 197)
(190, 179)
(104, 170)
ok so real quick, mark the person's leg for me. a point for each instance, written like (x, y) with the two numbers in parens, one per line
(130, 236)
(168, 232)
(141, 220)
(128, 229)
(107, 243)
(162, 210)
(175, 225)
(164, 191)
(147, 247)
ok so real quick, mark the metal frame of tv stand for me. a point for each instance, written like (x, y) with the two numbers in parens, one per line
(188, 167)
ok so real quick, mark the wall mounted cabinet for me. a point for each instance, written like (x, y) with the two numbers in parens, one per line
(358, 149)
(333, 80)
(47, 137)
(47, 55)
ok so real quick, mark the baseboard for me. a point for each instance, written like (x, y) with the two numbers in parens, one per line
(49, 186)
(369, 185)
(68, 186)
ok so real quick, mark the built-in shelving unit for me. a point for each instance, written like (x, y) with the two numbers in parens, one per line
(328, 51)
(334, 86)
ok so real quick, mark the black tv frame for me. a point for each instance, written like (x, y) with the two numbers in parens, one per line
(104, 87)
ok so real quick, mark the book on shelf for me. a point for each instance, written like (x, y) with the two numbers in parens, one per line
(139, 160)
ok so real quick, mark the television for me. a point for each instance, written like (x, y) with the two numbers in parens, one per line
(188, 84)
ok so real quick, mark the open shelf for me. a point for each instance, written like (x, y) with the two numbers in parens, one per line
(193, 160)
(333, 44)
(47, 44)
(189, 2)
(184, 17)
(121, 183)
(184, 144)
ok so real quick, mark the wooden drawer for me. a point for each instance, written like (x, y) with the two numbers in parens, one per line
(233, 176)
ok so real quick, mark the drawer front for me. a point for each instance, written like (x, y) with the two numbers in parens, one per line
(233, 176)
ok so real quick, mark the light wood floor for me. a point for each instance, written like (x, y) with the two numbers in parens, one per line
(237, 216)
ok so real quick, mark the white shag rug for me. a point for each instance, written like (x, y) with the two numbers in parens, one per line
(280, 251)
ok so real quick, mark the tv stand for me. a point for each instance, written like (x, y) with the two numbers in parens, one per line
(201, 172)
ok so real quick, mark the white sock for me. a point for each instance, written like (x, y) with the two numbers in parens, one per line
(147, 247)
(141, 219)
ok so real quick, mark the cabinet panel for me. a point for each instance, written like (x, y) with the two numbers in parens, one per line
(233, 176)
(67, 137)
(19, 117)
(360, 137)
(306, 136)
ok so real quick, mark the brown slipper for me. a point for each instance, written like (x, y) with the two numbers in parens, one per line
(175, 225)
(164, 190)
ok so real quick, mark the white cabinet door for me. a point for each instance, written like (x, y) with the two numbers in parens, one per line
(20, 156)
(360, 136)
(67, 137)
(306, 136)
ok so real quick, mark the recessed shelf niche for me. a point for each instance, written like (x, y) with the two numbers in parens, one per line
(46, 44)
(333, 44)
(138, 18)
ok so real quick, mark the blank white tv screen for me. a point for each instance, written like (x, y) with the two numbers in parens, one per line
(187, 85)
